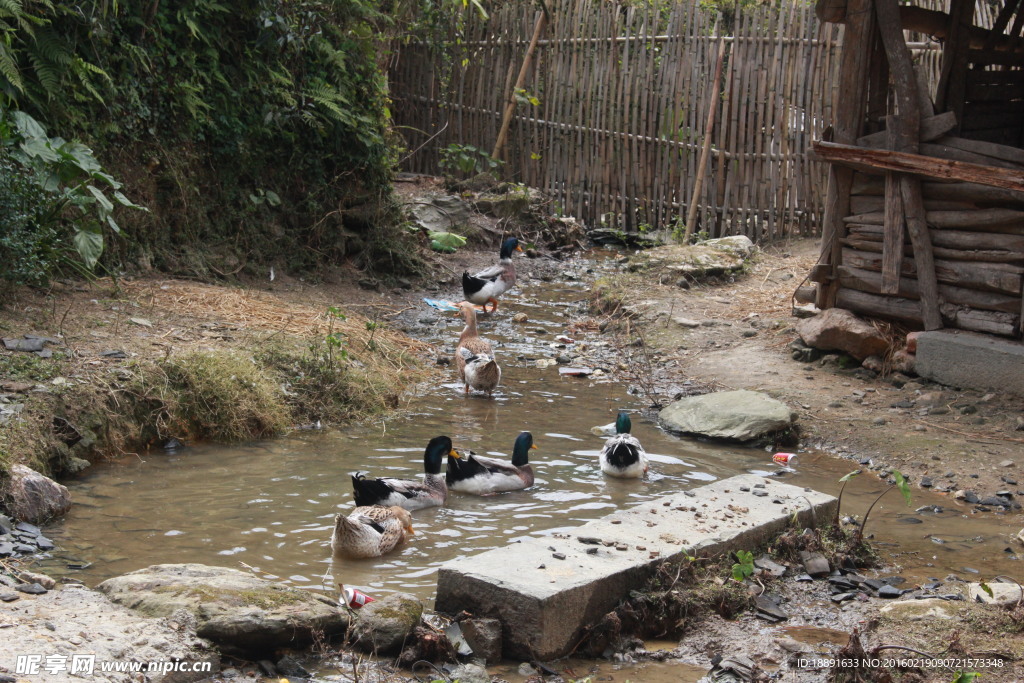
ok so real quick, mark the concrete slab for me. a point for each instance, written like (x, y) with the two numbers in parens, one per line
(971, 361)
(546, 590)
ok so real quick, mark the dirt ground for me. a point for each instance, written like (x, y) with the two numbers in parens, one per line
(730, 333)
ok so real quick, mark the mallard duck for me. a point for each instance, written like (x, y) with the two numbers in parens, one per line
(622, 455)
(473, 355)
(487, 285)
(370, 531)
(411, 494)
(479, 475)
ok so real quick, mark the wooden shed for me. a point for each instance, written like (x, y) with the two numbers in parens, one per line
(924, 214)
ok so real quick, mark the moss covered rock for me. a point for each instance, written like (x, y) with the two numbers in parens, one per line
(384, 625)
(239, 612)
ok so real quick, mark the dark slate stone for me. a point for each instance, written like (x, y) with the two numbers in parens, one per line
(44, 543)
(873, 584)
(6, 549)
(931, 585)
(843, 597)
(24, 548)
(970, 570)
(30, 588)
(910, 520)
(893, 580)
(768, 609)
(773, 568)
(993, 501)
(971, 497)
(816, 565)
(926, 482)
(761, 493)
(803, 577)
(27, 528)
(9, 597)
(889, 592)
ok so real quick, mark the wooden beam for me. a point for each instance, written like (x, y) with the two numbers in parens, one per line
(993, 322)
(903, 130)
(932, 128)
(878, 161)
(853, 70)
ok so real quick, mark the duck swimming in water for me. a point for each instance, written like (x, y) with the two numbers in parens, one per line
(411, 494)
(370, 531)
(622, 455)
(481, 476)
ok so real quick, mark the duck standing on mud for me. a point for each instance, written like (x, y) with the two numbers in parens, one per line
(487, 285)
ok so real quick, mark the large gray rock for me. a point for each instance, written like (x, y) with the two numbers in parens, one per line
(74, 620)
(384, 625)
(840, 330)
(33, 497)
(735, 415)
(713, 257)
(239, 612)
(442, 214)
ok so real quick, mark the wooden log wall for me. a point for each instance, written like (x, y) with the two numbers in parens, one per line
(624, 90)
(968, 271)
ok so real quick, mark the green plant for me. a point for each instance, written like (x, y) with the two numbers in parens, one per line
(965, 676)
(80, 193)
(904, 488)
(467, 160)
(744, 566)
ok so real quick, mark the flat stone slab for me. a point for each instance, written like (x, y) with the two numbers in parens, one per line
(971, 361)
(546, 590)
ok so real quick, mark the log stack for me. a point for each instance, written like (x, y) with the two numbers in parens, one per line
(925, 216)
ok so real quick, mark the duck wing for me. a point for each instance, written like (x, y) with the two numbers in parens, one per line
(385, 491)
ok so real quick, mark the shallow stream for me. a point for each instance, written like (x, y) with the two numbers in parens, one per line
(269, 506)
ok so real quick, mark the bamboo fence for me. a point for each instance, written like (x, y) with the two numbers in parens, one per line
(624, 91)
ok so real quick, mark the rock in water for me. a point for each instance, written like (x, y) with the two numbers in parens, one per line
(32, 497)
(734, 415)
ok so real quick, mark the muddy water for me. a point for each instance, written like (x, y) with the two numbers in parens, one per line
(269, 506)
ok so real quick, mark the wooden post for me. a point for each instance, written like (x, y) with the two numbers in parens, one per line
(702, 165)
(904, 132)
(510, 106)
(853, 76)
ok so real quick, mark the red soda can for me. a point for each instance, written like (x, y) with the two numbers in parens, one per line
(784, 458)
(354, 597)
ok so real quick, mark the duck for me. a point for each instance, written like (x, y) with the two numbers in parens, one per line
(481, 476)
(622, 455)
(411, 494)
(474, 357)
(487, 285)
(370, 531)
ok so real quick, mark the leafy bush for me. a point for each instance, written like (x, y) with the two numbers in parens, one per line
(29, 249)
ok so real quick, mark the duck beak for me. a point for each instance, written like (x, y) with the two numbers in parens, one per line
(533, 447)
(455, 454)
(519, 247)
(410, 530)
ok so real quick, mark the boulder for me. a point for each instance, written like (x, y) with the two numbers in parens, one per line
(704, 259)
(442, 214)
(840, 330)
(239, 612)
(734, 415)
(33, 497)
(385, 624)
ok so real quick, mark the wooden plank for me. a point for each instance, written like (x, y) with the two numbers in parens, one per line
(881, 160)
(874, 305)
(957, 154)
(869, 281)
(940, 219)
(1003, 152)
(1000, 278)
(892, 243)
(854, 64)
(932, 127)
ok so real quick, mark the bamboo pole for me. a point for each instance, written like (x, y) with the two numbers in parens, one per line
(691, 213)
(510, 105)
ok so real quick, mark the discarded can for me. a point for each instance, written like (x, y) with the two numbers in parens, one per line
(354, 597)
(784, 458)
